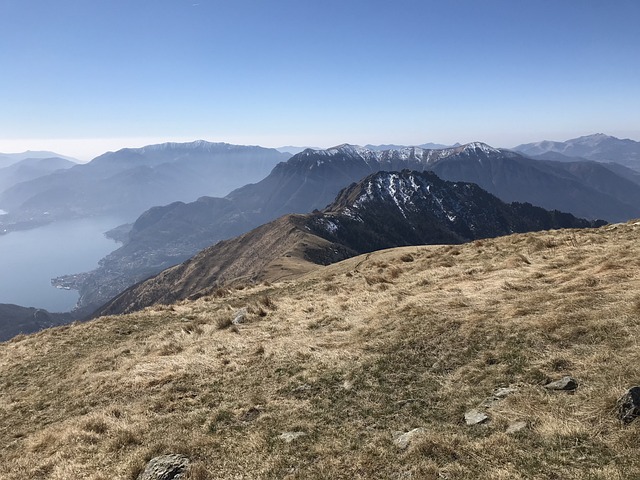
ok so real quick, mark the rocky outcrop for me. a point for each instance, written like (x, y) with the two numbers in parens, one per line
(629, 405)
(165, 467)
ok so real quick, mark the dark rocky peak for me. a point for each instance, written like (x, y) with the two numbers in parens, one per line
(396, 188)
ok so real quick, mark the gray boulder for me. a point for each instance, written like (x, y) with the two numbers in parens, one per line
(565, 383)
(239, 317)
(291, 436)
(403, 440)
(475, 417)
(165, 467)
(629, 405)
(516, 427)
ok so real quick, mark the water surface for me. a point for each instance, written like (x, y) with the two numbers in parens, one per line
(30, 259)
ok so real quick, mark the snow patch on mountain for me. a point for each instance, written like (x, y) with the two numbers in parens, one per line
(378, 158)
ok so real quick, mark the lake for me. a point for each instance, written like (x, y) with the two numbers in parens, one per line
(30, 259)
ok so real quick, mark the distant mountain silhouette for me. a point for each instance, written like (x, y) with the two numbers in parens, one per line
(598, 147)
(31, 168)
(7, 159)
(127, 182)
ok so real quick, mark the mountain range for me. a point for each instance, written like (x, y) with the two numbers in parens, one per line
(31, 168)
(598, 147)
(384, 210)
(127, 182)
(168, 235)
(7, 159)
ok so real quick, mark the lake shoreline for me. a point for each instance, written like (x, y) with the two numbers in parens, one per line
(33, 258)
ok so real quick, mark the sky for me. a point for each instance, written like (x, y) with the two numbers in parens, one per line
(81, 77)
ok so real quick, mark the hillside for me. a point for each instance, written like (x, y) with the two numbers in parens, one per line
(311, 180)
(327, 371)
(15, 319)
(383, 210)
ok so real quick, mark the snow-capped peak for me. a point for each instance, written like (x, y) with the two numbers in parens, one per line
(195, 145)
(478, 146)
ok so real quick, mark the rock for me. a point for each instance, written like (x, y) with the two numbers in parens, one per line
(629, 405)
(251, 414)
(516, 427)
(403, 440)
(239, 317)
(475, 417)
(165, 467)
(565, 383)
(291, 436)
(503, 392)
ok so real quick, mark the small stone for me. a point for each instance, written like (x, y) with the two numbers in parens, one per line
(251, 414)
(629, 405)
(291, 436)
(498, 395)
(403, 440)
(240, 316)
(165, 467)
(565, 383)
(516, 427)
(474, 417)
(503, 392)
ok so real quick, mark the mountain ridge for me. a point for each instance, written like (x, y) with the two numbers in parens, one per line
(31, 168)
(384, 210)
(598, 147)
(127, 182)
(310, 180)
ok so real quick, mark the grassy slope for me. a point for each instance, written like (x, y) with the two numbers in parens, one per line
(350, 354)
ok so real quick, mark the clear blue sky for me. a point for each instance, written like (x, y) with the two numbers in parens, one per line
(84, 76)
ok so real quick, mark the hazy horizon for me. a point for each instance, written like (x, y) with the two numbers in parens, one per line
(84, 78)
(85, 150)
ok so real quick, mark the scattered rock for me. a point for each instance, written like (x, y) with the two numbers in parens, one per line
(499, 394)
(251, 414)
(165, 467)
(629, 405)
(565, 383)
(291, 436)
(516, 427)
(240, 317)
(403, 440)
(503, 392)
(475, 417)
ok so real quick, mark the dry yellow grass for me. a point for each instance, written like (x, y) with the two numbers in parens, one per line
(350, 354)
